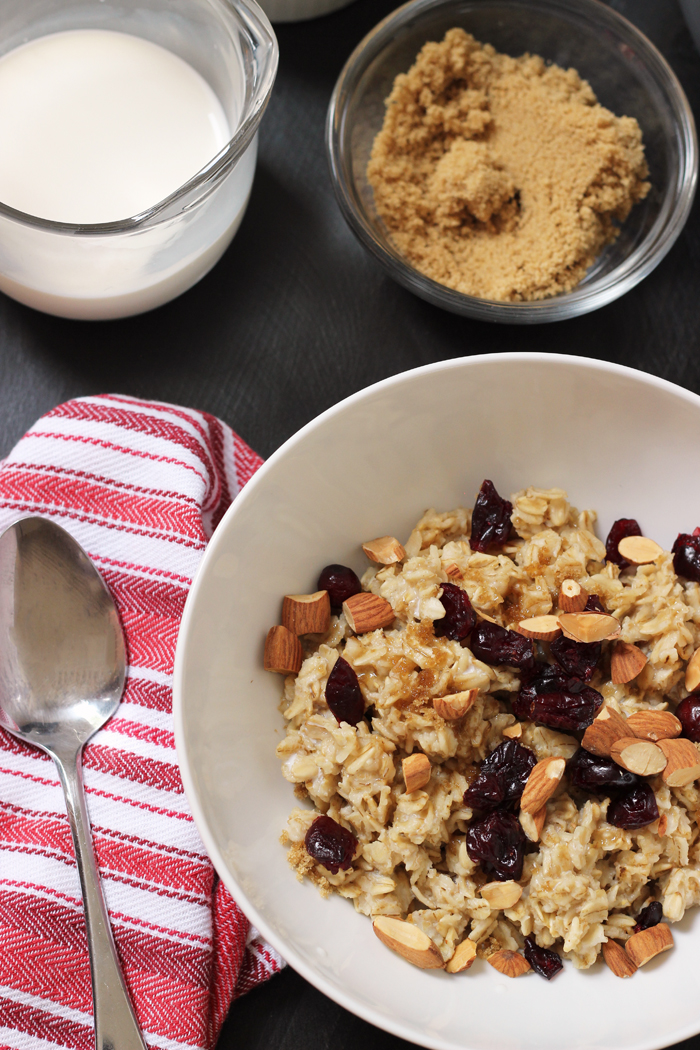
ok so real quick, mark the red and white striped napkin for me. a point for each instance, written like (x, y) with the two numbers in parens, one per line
(141, 486)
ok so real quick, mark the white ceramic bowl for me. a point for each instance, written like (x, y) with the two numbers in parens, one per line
(620, 441)
(299, 10)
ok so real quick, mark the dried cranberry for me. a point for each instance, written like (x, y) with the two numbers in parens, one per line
(636, 808)
(459, 616)
(340, 582)
(686, 556)
(594, 604)
(688, 713)
(597, 774)
(497, 843)
(543, 961)
(620, 528)
(330, 844)
(343, 693)
(557, 700)
(495, 645)
(649, 916)
(490, 519)
(577, 658)
(502, 777)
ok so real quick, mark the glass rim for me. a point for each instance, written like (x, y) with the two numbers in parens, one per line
(257, 23)
(656, 244)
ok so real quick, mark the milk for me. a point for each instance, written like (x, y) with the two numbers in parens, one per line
(98, 126)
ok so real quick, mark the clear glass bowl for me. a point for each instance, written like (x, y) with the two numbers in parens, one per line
(626, 72)
(108, 270)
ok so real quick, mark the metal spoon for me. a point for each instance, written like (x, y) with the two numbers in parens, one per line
(62, 671)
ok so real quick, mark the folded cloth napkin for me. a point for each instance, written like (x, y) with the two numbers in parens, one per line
(141, 486)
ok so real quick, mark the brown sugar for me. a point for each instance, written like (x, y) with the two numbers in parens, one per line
(502, 177)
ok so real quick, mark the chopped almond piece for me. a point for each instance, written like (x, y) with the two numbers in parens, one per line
(307, 613)
(510, 964)
(367, 612)
(455, 573)
(572, 597)
(541, 784)
(692, 672)
(455, 705)
(502, 895)
(607, 727)
(463, 958)
(385, 550)
(408, 941)
(513, 732)
(283, 652)
(643, 946)
(626, 662)
(654, 725)
(683, 762)
(663, 825)
(588, 626)
(638, 756)
(542, 628)
(416, 771)
(618, 960)
(639, 550)
(532, 823)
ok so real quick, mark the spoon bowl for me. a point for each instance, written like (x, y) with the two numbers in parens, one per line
(62, 657)
(62, 674)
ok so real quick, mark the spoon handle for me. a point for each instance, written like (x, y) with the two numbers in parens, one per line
(116, 1027)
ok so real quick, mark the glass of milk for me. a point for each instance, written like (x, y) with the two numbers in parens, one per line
(127, 146)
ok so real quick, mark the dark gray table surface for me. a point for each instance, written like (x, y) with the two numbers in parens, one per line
(295, 317)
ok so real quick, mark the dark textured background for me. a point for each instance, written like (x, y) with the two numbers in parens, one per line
(295, 317)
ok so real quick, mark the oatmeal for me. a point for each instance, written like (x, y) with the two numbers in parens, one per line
(499, 759)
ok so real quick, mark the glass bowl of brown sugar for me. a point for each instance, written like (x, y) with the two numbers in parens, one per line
(537, 159)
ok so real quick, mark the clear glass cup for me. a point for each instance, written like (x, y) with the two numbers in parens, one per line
(108, 270)
(628, 75)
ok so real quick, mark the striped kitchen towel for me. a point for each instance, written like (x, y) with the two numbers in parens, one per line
(141, 486)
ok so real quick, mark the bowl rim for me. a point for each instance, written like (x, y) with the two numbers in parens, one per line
(646, 256)
(288, 952)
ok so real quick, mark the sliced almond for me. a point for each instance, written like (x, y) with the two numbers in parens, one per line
(640, 550)
(307, 613)
(532, 823)
(455, 573)
(283, 652)
(606, 728)
(367, 612)
(638, 756)
(513, 732)
(542, 783)
(542, 628)
(618, 960)
(692, 672)
(416, 771)
(572, 597)
(385, 550)
(683, 762)
(588, 626)
(464, 956)
(626, 662)
(455, 705)
(654, 725)
(643, 946)
(502, 895)
(510, 964)
(408, 941)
